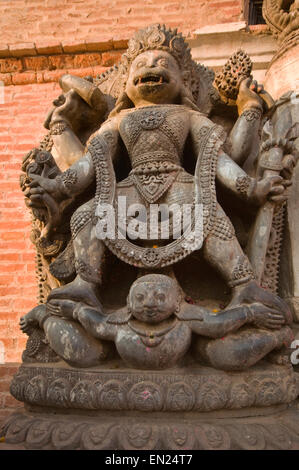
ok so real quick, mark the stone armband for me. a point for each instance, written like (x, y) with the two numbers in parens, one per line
(252, 113)
(245, 186)
(66, 181)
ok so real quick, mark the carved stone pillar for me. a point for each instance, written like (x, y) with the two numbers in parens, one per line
(282, 82)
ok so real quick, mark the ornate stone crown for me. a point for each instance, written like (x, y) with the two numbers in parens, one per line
(162, 38)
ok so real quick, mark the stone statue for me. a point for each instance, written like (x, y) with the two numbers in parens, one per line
(152, 119)
(123, 286)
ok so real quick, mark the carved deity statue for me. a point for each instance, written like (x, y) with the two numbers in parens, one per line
(147, 140)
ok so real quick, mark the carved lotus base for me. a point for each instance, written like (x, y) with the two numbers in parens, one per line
(190, 388)
(273, 428)
(194, 407)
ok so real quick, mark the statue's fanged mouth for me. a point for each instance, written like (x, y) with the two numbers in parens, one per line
(150, 80)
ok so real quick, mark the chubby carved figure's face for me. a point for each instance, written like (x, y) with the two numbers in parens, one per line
(153, 301)
(154, 77)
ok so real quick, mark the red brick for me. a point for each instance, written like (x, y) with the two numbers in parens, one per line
(4, 384)
(11, 402)
(4, 51)
(87, 60)
(258, 27)
(48, 47)
(8, 369)
(110, 58)
(225, 4)
(73, 46)
(53, 75)
(24, 304)
(23, 78)
(119, 42)
(61, 62)
(93, 44)
(6, 78)
(35, 63)
(20, 50)
(10, 65)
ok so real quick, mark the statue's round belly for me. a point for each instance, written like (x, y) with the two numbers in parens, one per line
(172, 347)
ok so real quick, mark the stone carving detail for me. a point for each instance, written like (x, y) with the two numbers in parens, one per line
(141, 132)
(192, 392)
(242, 272)
(145, 397)
(252, 114)
(282, 19)
(58, 128)
(68, 178)
(243, 184)
(224, 229)
(270, 276)
(237, 68)
(64, 433)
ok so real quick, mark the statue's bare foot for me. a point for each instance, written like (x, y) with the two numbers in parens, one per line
(281, 355)
(76, 291)
(32, 319)
(251, 292)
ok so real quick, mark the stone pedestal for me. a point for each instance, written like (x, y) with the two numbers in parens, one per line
(194, 407)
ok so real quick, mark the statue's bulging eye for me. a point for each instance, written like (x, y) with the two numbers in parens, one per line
(140, 297)
(160, 297)
(163, 63)
(140, 64)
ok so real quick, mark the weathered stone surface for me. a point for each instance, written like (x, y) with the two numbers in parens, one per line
(260, 431)
(158, 146)
(282, 75)
(190, 388)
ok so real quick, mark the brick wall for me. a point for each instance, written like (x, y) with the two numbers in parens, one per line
(76, 20)
(21, 118)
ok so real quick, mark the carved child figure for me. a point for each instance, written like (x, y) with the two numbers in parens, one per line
(157, 327)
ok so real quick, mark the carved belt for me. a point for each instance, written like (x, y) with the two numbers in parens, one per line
(151, 157)
(153, 179)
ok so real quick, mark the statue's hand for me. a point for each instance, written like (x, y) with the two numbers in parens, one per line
(265, 317)
(90, 318)
(288, 166)
(61, 307)
(40, 187)
(252, 95)
(271, 188)
(25, 324)
(248, 96)
(251, 294)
